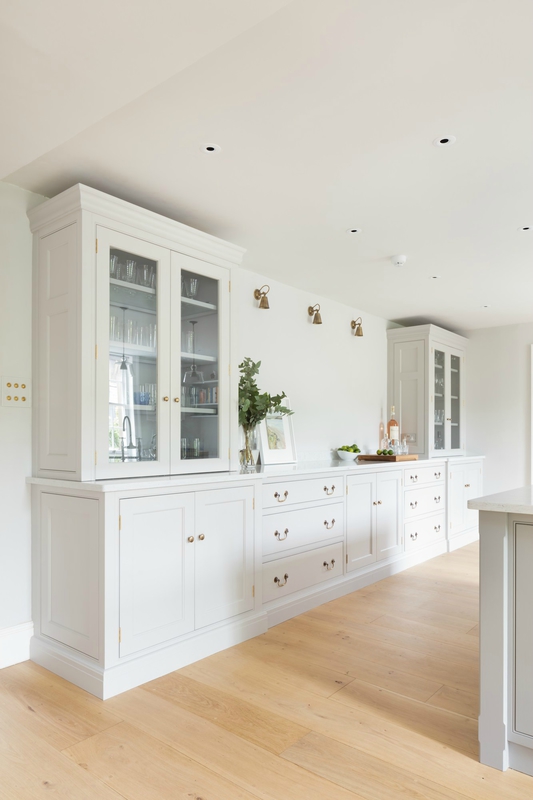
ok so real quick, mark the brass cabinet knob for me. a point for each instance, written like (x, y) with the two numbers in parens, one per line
(176, 399)
(201, 537)
(190, 539)
(8, 385)
(22, 385)
(165, 399)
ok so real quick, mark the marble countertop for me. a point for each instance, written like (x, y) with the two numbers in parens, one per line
(514, 501)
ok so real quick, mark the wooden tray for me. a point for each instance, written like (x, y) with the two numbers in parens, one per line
(388, 458)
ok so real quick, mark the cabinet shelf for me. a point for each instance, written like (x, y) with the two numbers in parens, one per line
(203, 409)
(453, 370)
(197, 358)
(132, 286)
(194, 309)
(454, 397)
(438, 395)
(115, 349)
(439, 366)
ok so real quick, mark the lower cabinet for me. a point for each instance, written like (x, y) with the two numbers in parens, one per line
(465, 481)
(373, 529)
(186, 561)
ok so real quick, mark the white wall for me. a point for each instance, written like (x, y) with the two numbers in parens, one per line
(336, 382)
(15, 423)
(499, 404)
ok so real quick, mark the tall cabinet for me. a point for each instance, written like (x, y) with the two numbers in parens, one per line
(426, 381)
(132, 351)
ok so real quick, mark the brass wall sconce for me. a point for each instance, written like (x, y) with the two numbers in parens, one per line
(357, 326)
(261, 295)
(314, 311)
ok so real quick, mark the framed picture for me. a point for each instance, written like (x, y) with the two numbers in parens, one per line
(277, 439)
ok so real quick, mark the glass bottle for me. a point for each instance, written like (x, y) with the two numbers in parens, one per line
(393, 429)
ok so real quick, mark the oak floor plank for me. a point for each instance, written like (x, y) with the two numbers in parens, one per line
(143, 768)
(454, 730)
(252, 768)
(457, 701)
(422, 629)
(474, 631)
(266, 729)
(61, 713)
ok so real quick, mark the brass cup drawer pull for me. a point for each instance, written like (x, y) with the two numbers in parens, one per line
(278, 580)
(414, 478)
(436, 528)
(329, 491)
(437, 499)
(414, 536)
(327, 525)
(437, 475)
(414, 505)
(202, 537)
(327, 566)
(279, 537)
(467, 486)
(278, 496)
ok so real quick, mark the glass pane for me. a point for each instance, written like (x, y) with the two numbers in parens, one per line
(199, 366)
(455, 388)
(132, 358)
(439, 391)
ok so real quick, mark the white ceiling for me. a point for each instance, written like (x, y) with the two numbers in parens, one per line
(325, 112)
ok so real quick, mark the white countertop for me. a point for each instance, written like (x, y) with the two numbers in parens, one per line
(514, 501)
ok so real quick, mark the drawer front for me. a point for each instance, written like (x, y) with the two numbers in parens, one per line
(305, 526)
(288, 575)
(421, 533)
(288, 493)
(424, 501)
(423, 476)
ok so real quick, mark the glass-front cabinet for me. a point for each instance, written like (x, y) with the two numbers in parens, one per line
(447, 405)
(161, 318)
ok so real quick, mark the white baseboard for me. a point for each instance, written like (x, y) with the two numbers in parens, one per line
(521, 758)
(15, 644)
(462, 539)
(282, 610)
(89, 675)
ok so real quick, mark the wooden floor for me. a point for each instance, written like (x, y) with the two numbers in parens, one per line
(371, 696)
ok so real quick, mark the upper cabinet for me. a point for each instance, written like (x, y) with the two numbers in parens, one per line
(426, 380)
(132, 351)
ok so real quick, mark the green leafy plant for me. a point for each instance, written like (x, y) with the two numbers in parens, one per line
(255, 405)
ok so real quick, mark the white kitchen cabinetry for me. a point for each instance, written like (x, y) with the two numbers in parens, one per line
(131, 342)
(373, 518)
(465, 482)
(129, 584)
(426, 380)
(424, 505)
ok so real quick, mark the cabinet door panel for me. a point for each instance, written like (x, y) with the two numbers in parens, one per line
(388, 522)
(456, 500)
(360, 521)
(473, 488)
(409, 392)
(523, 629)
(224, 565)
(156, 570)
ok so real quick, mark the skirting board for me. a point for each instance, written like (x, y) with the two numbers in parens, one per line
(305, 600)
(521, 758)
(89, 675)
(462, 539)
(15, 644)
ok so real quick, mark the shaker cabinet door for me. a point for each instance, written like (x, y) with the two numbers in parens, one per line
(388, 515)
(156, 570)
(360, 521)
(224, 565)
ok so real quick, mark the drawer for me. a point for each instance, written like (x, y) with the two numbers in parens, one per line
(288, 575)
(424, 501)
(421, 533)
(307, 491)
(304, 526)
(422, 476)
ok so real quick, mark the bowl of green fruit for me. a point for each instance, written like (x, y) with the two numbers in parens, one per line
(348, 452)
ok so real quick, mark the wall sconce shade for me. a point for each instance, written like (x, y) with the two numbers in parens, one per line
(261, 295)
(314, 311)
(357, 326)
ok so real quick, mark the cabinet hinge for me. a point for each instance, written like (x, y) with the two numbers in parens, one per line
(229, 287)
(96, 351)
(253, 590)
(346, 557)
(229, 369)
(95, 457)
(120, 522)
(97, 245)
(119, 635)
(253, 503)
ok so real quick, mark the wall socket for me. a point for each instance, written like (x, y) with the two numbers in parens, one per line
(16, 392)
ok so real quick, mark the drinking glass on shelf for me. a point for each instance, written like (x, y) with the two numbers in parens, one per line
(130, 270)
(191, 286)
(184, 447)
(128, 337)
(196, 447)
(153, 335)
(152, 277)
(113, 327)
(145, 276)
(113, 265)
(189, 342)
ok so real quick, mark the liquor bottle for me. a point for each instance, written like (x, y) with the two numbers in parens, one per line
(393, 429)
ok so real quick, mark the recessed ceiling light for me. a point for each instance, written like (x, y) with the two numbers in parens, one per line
(435, 277)
(444, 141)
(485, 306)
(210, 148)
(353, 230)
(525, 228)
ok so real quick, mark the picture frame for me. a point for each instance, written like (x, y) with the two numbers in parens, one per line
(276, 437)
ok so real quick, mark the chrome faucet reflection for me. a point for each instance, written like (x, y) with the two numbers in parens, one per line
(130, 446)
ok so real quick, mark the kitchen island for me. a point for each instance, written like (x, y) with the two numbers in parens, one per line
(506, 629)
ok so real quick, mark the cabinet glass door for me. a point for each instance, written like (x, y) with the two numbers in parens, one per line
(134, 274)
(439, 405)
(455, 402)
(200, 438)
